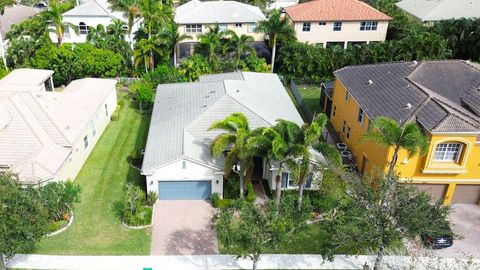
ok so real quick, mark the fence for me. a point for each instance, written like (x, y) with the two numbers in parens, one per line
(307, 114)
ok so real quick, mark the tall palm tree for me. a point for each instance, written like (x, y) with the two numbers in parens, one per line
(240, 45)
(130, 10)
(154, 15)
(144, 50)
(277, 29)
(211, 42)
(54, 14)
(172, 38)
(117, 29)
(234, 141)
(389, 133)
(97, 36)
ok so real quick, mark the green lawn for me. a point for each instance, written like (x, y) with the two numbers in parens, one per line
(311, 96)
(96, 229)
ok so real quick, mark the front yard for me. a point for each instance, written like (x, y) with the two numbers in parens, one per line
(96, 229)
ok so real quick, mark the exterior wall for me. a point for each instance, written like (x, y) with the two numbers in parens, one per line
(176, 171)
(79, 154)
(350, 32)
(270, 173)
(240, 31)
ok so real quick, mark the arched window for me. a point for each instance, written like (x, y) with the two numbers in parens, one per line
(82, 28)
(448, 151)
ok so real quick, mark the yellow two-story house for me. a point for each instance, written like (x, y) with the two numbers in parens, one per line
(443, 97)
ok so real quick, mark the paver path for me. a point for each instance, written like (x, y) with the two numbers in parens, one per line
(183, 228)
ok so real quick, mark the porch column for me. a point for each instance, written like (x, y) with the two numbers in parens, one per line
(449, 195)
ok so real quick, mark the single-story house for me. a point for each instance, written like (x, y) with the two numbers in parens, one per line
(177, 162)
(429, 12)
(46, 135)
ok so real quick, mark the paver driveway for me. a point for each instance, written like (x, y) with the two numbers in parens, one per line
(466, 220)
(183, 228)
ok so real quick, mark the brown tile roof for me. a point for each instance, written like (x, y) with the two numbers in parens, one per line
(335, 10)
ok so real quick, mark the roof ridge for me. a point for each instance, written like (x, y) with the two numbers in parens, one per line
(243, 5)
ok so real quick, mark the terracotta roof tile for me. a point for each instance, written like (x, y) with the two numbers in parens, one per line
(335, 10)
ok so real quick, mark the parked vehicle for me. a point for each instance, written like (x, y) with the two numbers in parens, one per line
(438, 240)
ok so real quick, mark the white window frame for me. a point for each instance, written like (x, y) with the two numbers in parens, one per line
(446, 151)
(85, 141)
(94, 128)
(82, 28)
(193, 28)
(306, 26)
(223, 27)
(369, 26)
(252, 27)
(337, 26)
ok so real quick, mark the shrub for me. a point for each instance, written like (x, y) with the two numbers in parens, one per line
(231, 187)
(195, 66)
(152, 197)
(164, 74)
(55, 226)
(225, 203)
(142, 217)
(250, 196)
(121, 103)
(266, 187)
(134, 198)
(59, 197)
(255, 64)
(215, 197)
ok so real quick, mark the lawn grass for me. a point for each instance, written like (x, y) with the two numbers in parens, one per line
(311, 97)
(97, 229)
(310, 240)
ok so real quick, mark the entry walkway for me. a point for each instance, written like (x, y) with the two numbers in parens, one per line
(214, 262)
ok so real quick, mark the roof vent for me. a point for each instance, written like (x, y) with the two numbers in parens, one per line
(370, 82)
(408, 106)
(238, 90)
(415, 63)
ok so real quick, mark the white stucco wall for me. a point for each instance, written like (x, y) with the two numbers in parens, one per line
(350, 32)
(270, 173)
(238, 30)
(71, 167)
(176, 171)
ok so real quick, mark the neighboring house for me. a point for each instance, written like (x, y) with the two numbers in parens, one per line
(195, 16)
(90, 14)
(443, 97)
(177, 162)
(47, 135)
(13, 15)
(338, 22)
(432, 11)
(281, 4)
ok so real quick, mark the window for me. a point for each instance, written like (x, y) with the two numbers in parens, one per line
(360, 115)
(308, 183)
(94, 128)
(334, 110)
(222, 27)
(82, 28)
(306, 27)
(448, 152)
(348, 132)
(85, 141)
(106, 110)
(344, 126)
(252, 27)
(193, 28)
(238, 25)
(285, 177)
(322, 23)
(347, 96)
(337, 26)
(368, 26)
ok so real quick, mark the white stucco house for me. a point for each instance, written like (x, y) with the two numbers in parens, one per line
(177, 162)
(278, 4)
(195, 16)
(337, 22)
(429, 12)
(47, 135)
(90, 13)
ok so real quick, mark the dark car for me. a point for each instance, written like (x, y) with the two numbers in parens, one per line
(440, 239)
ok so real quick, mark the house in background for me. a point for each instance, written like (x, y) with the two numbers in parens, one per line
(177, 163)
(47, 135)
(428, 11)
(278, 4)
(90, 14)
(195, 16)
(338, 22)
(443, 97)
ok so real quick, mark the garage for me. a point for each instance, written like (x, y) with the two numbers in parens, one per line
(184, 190)
(466, 194)
(436, 191)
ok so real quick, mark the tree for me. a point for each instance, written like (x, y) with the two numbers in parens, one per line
(4, 4)
(59, 198)
(23, 219)
(144, 93)
(54, 14)
(240, 46)
(234, 143)
(276, 27)
(130, 10)
(144, 50)
(255, 64)
(195, 66)
(172, 38)
(210, 43)
(408, 136)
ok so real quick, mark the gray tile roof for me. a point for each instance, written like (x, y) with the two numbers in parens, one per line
(441, 95)
(428, 10)
(183, 112)
(15, 15)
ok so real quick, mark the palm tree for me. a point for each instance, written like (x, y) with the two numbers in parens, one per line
(234, 141)
(130, 10)
(144, 52)
(211, 42)
(97, 36)
(277, 28)
(172, 38)
(154, 14)
(239, 44)
(54, 14)
(117, 29)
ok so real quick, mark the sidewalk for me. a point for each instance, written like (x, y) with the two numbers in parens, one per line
(218, 262)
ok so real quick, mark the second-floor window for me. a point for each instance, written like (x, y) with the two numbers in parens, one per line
(85, 141)
(337, 26)
(193, 28)
(344, 126)
(306, 27)
(82, 28)
(223, 27)
(368, 26)
(252, 27)
(360, 115)
(347, 96)
(448, 152)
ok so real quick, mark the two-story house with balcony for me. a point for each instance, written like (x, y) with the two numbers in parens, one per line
(443, 97)
(194, 18)
(337, 22)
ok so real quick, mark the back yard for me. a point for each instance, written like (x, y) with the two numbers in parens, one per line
(96, 229)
